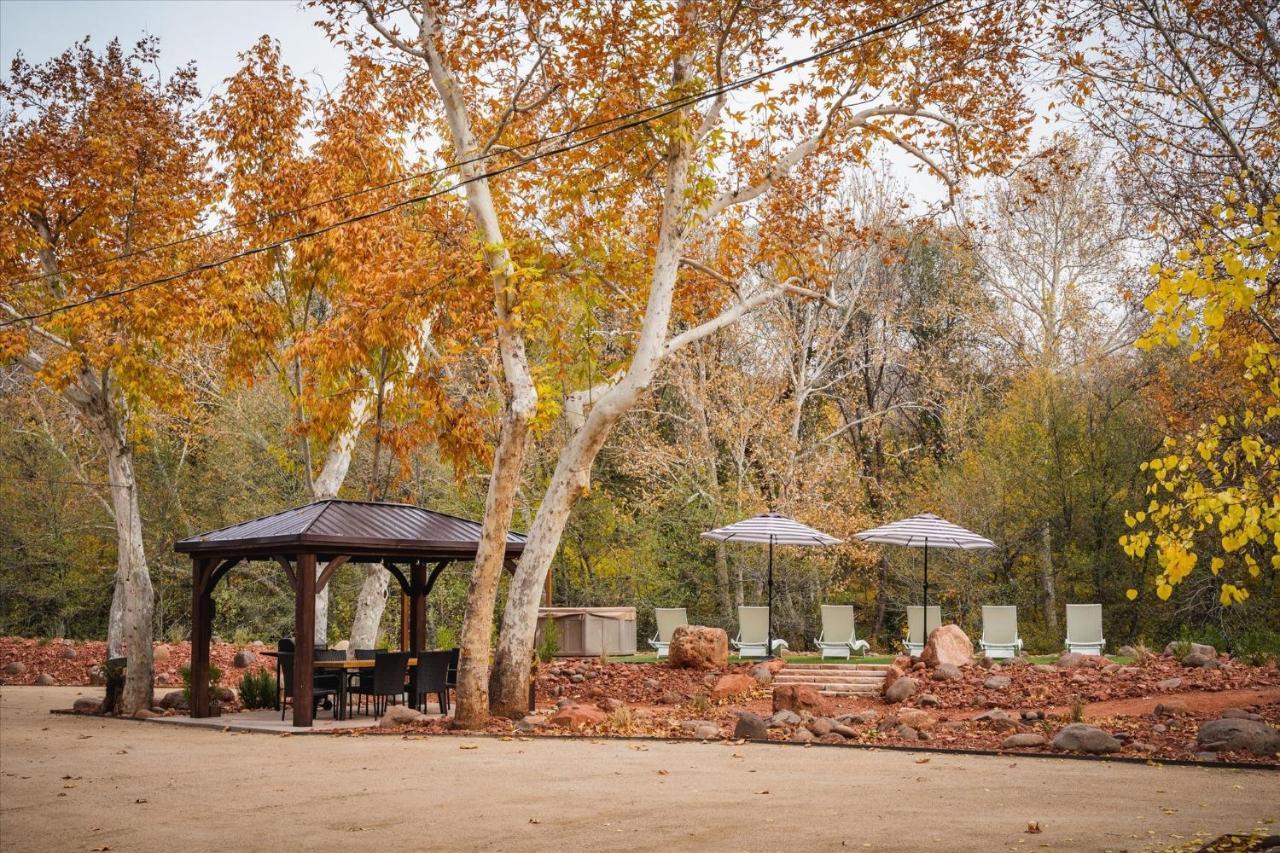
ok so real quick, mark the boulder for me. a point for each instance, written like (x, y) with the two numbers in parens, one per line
(985, 661)
(671, 698)
(1169, 684)
(1079, 737)
(175, 700)
(698, 647)
(1022, 740)
(774, 665)
(919, 720)
(750, 726)
(928, 700)
(1069, 659)
(244, 658)
(1043, 668)
(707, 731)
(144, 714)
(901, 689)
(44, 679)
(784, 718)
(68, 653)
(1173, 708)
(400, 715)
(862, 718)
(530, 723)
(1030, 715)
(1128, 652)
(844, 731)
(610, 704)
(820, 726)
(1208, 651)
(85, 705)
(690, 725)
(946, 672)
(997, 719)
(947, 644)
(161, 654)
(997, 682)
(905, 732)
(576, 716)
(16, 667)
(797, 698)
(1236, 735)
(802, 736)
(892, 674)
(733, 684)
(1238, 714)
(1195, 659)
(762, 675)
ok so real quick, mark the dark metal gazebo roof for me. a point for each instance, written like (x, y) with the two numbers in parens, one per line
(352, 528)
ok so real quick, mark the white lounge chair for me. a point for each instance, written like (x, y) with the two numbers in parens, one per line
(838, 638)
(916, 635)
(753, 633)
(668, 619)
(1084, 629)
(1000, 632)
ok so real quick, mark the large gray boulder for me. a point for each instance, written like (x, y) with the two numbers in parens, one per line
(244, 658)
(750, 726)
(902, 688)
(1192, 649)
(1079, 737)
(1237, 735)
(400, 715)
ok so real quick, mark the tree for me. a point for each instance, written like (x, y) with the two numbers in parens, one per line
(1215, 489)
(102, 159)
(351, 323)
(630, 213)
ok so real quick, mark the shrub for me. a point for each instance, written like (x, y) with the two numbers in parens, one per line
(700, 704)
(549, 646)
(258, 689)
(1257, 646)
(215, 677)
(446, 637)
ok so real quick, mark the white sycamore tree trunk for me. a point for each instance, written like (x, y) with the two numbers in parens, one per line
(132, 604)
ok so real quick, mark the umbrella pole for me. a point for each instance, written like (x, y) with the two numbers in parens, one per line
(768, 652)
(925, 618)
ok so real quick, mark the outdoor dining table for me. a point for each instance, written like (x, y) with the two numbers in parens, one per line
(348, 665)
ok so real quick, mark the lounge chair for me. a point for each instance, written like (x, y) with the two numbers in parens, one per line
(668, 619)
(838, 638)
(1000, 632)
(753, 633)
(916, 636)
(1084, 629)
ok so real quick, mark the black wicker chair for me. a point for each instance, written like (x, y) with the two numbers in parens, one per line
(361, 678)
(323, 687)
(285, 646)
(388, 680)
(451, 679)
(430, 676)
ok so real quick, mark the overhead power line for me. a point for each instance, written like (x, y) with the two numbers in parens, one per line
(636, 118)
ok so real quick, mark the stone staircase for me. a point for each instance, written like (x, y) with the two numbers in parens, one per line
(835, 679)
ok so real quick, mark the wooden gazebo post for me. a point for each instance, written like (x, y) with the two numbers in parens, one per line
(304, 632)
(201, 634)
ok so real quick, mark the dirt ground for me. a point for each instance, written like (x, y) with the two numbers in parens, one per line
(78, 783)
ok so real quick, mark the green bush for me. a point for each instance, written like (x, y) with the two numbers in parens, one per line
(258, 689)
(446, 638)
(549, 646)
(1257, 646)
(215, 677)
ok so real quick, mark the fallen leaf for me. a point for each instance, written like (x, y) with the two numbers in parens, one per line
(1033, 827)
(664, 773)
(762, 792)
(469, 746)
(534, 820)
(922, 761)
(140, 800)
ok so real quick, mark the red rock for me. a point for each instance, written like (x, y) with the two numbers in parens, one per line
(698, 647)
(917, 719)
(576, 716)
(773, 665)
(733, 684)
(892, 674)
(794, 697)
(947, 644)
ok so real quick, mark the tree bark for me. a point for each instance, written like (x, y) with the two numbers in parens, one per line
(1048, 594)
(133, 580)
(370, 605)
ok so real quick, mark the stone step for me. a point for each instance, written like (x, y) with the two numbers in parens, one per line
(837, 680)
(836, 667)
(843, 689)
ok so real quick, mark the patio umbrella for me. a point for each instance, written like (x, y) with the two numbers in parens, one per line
(770, 529)
(922, 531)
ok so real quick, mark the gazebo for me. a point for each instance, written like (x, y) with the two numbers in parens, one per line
(327, 534)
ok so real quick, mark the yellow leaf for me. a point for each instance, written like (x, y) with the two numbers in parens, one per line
(1131, 594)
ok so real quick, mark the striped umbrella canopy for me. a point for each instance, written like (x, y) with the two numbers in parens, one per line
(923, 531)
(770, 529)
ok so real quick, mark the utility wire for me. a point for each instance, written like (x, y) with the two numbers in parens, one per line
(673, 106)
